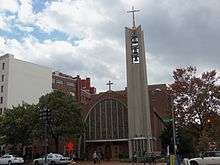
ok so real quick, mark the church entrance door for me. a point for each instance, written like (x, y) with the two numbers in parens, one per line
(115, 152)
(108, 152)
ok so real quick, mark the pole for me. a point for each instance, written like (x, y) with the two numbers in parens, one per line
(46, 142)
(174, 130)
(45, 134)
(45, 117)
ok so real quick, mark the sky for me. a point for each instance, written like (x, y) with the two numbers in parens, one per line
(86, 37)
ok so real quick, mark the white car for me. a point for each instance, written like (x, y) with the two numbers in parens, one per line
(52, 159)
(11, 159)
(207, 158)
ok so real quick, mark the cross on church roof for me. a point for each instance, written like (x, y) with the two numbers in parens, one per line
(133, 11)
(109, 85)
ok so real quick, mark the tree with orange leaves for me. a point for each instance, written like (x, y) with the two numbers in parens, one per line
(195, 98)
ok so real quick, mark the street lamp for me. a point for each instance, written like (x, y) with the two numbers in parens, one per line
(174, 128)
(173, 117)
(173, 123)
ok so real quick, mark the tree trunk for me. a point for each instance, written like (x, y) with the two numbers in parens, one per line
(56, 139)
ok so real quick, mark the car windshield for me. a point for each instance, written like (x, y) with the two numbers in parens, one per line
(58, 155)
(50, 156)
(6, 156)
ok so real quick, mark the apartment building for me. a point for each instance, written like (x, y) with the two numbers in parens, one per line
(22, 82)
(79, 88)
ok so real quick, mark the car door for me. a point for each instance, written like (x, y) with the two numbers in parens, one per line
(41, 160)
(50, 158)
(2, 160)
(6, 159)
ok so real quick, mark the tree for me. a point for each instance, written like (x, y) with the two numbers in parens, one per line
(66, 119)
(184, 140)
(17, 125)
(195, 99)
(2, 136)
(166, 138)
(203, 141)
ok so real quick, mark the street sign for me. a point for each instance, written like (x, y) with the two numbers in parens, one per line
(167, 120)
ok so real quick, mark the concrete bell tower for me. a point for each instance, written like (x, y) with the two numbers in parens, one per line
(139, 124)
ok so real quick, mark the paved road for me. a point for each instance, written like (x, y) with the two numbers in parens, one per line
(116, 163)
(108, 163)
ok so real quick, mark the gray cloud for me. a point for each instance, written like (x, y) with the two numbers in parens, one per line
(177, 33)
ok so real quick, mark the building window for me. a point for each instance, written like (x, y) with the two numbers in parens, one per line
(70, 84)
(59, 81)
(3, 77)
(1, 100)
(3, 66)
(2, 87)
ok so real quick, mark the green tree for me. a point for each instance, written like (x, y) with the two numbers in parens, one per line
(166, 138)
(17, 125)
(203, 141)
(2, 136)
(184, 139)
(66, 119)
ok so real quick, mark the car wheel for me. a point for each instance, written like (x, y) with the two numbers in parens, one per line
(193, 163)
(36, 163)
(9, 162)
(52, 163)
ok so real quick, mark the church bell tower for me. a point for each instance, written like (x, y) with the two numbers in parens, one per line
(139, 124)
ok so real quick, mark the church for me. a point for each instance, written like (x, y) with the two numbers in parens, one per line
(107, 122)
(120, 124)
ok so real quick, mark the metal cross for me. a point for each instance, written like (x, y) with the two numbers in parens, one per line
(133, 11)
(109, 85)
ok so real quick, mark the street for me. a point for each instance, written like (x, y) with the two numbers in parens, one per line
(115, 163)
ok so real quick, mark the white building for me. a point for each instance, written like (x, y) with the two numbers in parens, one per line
(22, 82)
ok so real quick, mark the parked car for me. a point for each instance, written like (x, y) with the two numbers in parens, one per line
(52, 159)
(11, 159)
(207, 158)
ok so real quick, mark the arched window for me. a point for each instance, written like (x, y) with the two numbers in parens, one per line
(108, 119)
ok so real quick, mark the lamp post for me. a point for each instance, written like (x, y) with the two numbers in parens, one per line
(45, 118)
(173, 118)
(174, 128)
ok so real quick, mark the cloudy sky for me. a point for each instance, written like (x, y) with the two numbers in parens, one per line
(86, 37)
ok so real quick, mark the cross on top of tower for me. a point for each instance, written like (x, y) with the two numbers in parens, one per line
(109, 85)
(133, 11)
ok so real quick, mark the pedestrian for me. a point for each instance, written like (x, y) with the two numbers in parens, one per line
(73, 159)
(94, 157)
(99, 157)
(145, 156)
(135, 157)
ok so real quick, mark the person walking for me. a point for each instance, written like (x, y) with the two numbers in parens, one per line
(94, 157)
(99, 157)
